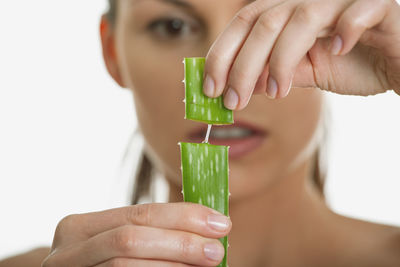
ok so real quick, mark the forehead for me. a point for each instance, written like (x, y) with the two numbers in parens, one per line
(214, 11)
(182, 3)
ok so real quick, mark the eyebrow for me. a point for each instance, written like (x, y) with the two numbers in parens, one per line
(178, 3)
(184, 4)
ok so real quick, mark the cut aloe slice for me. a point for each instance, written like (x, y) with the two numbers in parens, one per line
(205, 178)
(198, 106)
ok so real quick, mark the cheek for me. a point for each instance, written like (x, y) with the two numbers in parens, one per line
(299, 126)
(160, 113)
(158, 96)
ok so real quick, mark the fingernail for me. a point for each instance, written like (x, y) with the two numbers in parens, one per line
(209, 86)
(336, 45)
(213, 251)
(231, 99)
(290, 87)
(218, 222)
(272, 88)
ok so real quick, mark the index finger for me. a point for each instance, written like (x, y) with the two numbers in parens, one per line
(223, 52)
(187, 217)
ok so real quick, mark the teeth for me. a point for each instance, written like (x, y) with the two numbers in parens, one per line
(226, 133)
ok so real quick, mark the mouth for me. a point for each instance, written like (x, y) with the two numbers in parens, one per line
(241, 137)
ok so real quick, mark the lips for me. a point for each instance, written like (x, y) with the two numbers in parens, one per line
(242, 137)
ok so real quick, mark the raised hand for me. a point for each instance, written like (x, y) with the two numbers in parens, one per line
(343, 46)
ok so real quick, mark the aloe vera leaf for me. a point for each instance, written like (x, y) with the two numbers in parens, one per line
(205, 179)
(198, 106)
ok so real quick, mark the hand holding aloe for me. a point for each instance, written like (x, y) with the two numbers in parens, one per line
(154, 234)
(205, 166)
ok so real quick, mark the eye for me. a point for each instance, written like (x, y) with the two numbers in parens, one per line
(171, 28)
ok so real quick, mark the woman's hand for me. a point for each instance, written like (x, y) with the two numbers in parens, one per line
(174, 234)
(343, 46)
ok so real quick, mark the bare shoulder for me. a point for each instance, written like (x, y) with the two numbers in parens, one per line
(379, 241)
(31, 258)
(393, 246)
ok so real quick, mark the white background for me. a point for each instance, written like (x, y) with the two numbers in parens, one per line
(64, 126)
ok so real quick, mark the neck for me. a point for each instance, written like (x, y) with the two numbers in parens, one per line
(282, 212)
(289, 196)
(290, 225)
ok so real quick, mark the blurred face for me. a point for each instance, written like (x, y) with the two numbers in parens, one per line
(270, 138)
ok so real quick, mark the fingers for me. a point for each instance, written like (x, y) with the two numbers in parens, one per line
(360, 16)
(279, 34)
(262, 81)
(174, 232)
(125, 262)
(142, 242)
(179, 216)
(224, 50)
(297, 38)
(252, 58)
(242, 65)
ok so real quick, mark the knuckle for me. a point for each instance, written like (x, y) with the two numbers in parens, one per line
(140, 214)
(67, 224)
(352, 24)
(215, 59)
(278, 69)
(124, 240)
(247, 14)
(307, 12)
(239, 79)
(270, 21)
(279, 66)
(192, 211)
(244, 86)
(186, 246)
(185, 219)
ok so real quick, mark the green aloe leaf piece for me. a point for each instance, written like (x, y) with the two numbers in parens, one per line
(205, 178)
(198, 106)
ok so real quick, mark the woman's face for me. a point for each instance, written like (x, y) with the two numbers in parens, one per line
(151, 38)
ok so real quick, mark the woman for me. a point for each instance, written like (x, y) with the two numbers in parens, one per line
(277, 207)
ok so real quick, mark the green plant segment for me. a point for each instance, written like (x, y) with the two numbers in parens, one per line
(198, 106)
(205, 166)
(205, 178)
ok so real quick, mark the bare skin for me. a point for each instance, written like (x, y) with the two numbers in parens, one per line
(32, 258)
(278, 216)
